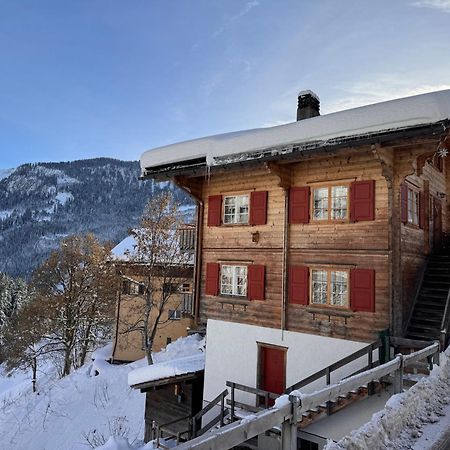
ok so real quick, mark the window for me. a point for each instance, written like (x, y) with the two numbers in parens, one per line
(413, 207)
(170, 288)
(330, 203)
(233, 280)
(329, 287)
(185, 288)
(235, 209)
(174, 314)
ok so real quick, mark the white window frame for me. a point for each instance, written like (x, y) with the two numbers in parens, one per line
(235, 203)
(174, 314)
(328, 288)
(413, 206)
(330, 206)
(237, 290)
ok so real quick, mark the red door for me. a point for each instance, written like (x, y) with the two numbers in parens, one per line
(273, 369)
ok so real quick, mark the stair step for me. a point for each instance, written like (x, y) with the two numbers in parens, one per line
(426, 322)
(423, 329)
(421, 336)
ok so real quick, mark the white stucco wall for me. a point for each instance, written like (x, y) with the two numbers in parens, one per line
(232, 355)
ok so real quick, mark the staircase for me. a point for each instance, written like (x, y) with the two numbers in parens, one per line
(426, 320)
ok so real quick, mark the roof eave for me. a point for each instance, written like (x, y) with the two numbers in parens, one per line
(293, 151)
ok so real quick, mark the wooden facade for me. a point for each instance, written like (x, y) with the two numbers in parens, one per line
(394, 252)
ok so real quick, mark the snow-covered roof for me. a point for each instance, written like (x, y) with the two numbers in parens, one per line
(183, 357)
(124, 249)
(168, 369)
(387, 116)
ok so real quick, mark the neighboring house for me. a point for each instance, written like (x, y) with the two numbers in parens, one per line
(174, 393)
(314, 236)
(177, 320)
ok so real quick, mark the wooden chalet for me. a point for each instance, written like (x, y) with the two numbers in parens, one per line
(316, 238)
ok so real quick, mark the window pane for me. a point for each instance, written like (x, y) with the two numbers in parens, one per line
(320, 208)
(236, 209)
(338, 288)
(339, 202)
(233, 280)
(240, 280)
(319, 286)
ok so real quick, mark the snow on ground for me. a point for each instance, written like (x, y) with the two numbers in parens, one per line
(413, 419)
(67, 413)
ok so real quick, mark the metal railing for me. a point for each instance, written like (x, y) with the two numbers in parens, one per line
(289, 411)
(264, 399)
(445, 322)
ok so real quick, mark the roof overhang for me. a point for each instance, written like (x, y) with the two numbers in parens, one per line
(198, 166)
(146, 386)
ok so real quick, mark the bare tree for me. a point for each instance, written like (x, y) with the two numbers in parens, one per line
(77, 286)
(164, 264)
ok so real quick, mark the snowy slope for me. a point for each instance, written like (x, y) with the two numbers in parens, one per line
(413, 419)
(67, 411)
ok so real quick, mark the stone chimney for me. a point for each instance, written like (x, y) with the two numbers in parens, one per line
(308, 105)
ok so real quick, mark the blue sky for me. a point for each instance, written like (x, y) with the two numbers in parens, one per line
(89, 78)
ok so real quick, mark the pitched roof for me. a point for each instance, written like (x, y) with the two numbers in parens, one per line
(404, 113)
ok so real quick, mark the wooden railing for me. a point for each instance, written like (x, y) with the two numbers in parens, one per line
(218, 419)
(289, 410)
(327, 371)
(264, 399)
(264, 396)
(194, 423)
(445, 324)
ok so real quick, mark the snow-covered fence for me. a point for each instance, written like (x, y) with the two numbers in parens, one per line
(288, 408)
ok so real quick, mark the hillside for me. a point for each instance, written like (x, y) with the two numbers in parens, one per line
(80, 411)
(42, 203)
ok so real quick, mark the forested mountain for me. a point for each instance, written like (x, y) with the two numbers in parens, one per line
(42, 203)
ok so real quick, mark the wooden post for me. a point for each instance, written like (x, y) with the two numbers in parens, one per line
(328, 376)
(398, 376)
(289, 427)
(370, 386)
(232, 402)
(436, 356)
(222, 409)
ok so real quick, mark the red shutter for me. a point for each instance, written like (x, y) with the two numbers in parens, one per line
(362, 290)
(258, 208)
(255, 282)
(362, 200)
(421, 209)
(404, 203)
(212, 279)
(299, 205)
(299, 285)
(214, 210)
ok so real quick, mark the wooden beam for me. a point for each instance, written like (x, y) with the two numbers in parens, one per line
(283, 173)
(189, 185)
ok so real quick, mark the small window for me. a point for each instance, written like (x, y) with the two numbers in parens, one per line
(185, 288)
(329, 287)
(233, 280)
(141, 289)
(125, 287)
(134, 288)
(330, 203)
(170, 288)
(413, 206)
(235, 209)
(174, 314)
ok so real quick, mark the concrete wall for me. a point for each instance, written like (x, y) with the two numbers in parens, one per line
(232, 355)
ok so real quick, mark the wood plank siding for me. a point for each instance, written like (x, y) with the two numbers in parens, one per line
(395, 251)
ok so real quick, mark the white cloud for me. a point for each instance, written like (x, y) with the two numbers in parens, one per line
(442, 5)
(229, 22)
(382, 89)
